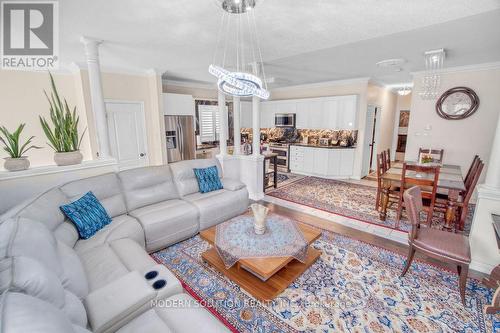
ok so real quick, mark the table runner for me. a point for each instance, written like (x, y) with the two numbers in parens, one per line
(235, 239)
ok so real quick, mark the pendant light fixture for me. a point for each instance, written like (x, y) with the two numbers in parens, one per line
(237, 62)
(431, 81)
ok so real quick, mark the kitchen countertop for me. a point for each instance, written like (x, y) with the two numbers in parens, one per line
(318, 146)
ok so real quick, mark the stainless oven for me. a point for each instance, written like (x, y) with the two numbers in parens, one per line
(284, 120)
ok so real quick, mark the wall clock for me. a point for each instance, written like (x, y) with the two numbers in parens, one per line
(457, 103)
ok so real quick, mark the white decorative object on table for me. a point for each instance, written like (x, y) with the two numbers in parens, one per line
(259, 215)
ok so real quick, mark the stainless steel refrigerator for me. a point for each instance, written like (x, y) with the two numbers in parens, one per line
(181, 144)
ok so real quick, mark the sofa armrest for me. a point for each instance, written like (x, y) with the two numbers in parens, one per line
(112, 306)
(232, 184)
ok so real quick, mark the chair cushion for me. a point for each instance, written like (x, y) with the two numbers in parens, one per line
(24, 313)
(108, 262)
(147, 186)
(123, 226)
(184, 177)
(167, 222)
(446, 244)
(105, 187)
(208, 179)
(88, 215)
(218, 206)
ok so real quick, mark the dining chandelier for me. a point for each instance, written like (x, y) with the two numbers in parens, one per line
(237, 62)
(431, 81)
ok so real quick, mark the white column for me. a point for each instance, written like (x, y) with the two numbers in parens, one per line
(484, 248)
(236, 125)
(493, 172)
(223, 124)
(256, 125)
(96, 95)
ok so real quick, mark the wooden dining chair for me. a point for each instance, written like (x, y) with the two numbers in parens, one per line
(388, 160)
(472, 169)
(441, 245)
(410, 178)
(463, 202)
(384, 160)
(393, 191)
(437, 154)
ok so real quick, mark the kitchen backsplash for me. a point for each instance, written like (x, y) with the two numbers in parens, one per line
(313, 136)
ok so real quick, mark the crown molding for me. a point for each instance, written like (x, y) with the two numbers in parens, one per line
(468, 68)
(324, 84)
(190, 84)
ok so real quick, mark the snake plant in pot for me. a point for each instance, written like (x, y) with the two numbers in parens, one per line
(63, 134)
(17, 160)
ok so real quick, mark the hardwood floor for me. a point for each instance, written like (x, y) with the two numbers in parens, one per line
(361, 235)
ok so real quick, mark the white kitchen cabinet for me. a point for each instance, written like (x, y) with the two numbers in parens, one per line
(267, 111)
(301, 112)
(330, 112)
(315, 115)
(322, 162)
(246, 114)
(178, 105)
(347, 110)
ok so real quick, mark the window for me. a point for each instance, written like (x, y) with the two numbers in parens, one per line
(209, 122)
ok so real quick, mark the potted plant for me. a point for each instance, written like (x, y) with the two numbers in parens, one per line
(63, 137)
(16, 150)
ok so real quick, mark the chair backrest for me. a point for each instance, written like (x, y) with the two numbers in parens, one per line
(413, 202)
(388, 159)
(473, 182)
(472, 170)
(428, 179)
(437, 154)
(384, 160)
(380, 169)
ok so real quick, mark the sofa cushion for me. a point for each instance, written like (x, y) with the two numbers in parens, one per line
(123, 226)
(232, 184)
(105, 187)
(88, 215)
(108, 262)
(167, 222)
(73, 277)
(183, 313)
(24, 313)
(184, 177)
(147, 186)
(219, 206)
(149, 322)
(208, 179)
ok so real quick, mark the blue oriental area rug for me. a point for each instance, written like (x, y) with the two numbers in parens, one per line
(352, 287)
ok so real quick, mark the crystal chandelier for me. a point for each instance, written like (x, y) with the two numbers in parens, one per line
(238, 35)
(431, 81)
(404, 91)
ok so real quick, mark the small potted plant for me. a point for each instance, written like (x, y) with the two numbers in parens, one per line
(63, 137)
(16, 150)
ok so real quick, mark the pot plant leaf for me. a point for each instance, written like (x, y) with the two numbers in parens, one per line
(12, 143)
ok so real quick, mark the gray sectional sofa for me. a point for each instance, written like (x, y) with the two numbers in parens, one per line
(52, 281)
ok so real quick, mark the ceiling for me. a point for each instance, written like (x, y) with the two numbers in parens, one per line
(302, 41)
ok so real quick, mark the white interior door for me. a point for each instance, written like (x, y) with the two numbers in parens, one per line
(127, 133)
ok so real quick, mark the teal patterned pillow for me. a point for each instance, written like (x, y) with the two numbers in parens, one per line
(208, 179)
(88, 215)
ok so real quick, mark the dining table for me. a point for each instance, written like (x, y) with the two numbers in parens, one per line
(450, 183)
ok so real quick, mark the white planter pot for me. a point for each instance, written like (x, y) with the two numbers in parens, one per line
(16, 164)
(69, 158)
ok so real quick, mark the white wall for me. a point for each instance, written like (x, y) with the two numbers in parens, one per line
(460, 139)
(387, 101)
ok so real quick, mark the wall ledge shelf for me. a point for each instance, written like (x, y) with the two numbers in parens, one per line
(51, 169)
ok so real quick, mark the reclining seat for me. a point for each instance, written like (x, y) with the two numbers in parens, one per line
(152, 198)
(107, 189)
(216, 206)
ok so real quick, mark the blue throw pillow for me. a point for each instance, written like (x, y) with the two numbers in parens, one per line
(88, 215)
(208, 179)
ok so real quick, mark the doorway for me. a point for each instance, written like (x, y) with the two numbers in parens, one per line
(372, 130)
(127, 133)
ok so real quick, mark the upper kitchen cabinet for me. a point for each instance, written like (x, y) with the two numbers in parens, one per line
(267, 111)
(178, 105)
(347, 111)
(246, 114)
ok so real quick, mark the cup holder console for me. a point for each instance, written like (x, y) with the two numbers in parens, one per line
(159, 284)
(151, 275)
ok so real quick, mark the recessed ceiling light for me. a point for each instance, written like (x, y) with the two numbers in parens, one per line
(391, 63)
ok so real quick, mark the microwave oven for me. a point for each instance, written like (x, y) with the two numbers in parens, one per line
(284, 120)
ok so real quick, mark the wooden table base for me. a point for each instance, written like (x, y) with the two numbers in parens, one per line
(262, 290)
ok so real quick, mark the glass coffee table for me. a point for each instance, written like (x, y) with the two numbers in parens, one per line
(263, 277)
